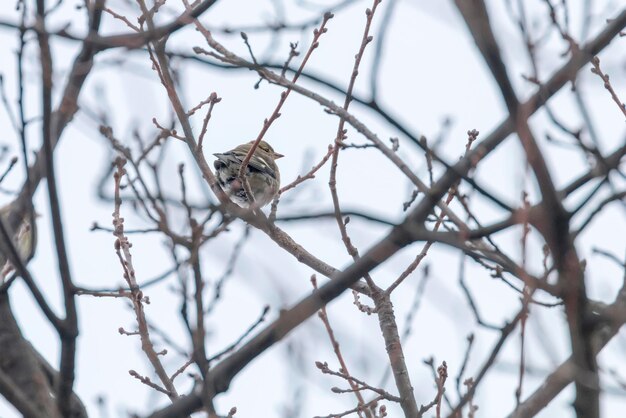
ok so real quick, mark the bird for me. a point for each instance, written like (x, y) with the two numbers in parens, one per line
(24, 235)
(261, 172)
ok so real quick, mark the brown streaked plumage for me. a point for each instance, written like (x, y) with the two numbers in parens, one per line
(262, 173)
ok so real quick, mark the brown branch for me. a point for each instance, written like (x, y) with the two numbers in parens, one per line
(505, 332)
(20, 364)
(310, 174)
(122, 249)
(12, 163)
(323, 367)
(473, 134)
(242, 337)
(181, 369)
(137, 40)
(363, 407)
(317, 33)
(122, 18)
(353, 214)
(607, 84)
(323, 315)
(12, 393)
(69, 329)
(468, 350)
(212, 100)
(146, 381)
(199, 333)
(442, 375)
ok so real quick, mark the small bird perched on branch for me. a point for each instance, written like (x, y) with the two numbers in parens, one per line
(261, 173)
(24, 237)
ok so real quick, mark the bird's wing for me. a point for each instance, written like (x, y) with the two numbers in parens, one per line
(228, 158)
(257, 163)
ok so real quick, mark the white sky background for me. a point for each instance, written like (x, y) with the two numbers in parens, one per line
(431, 70)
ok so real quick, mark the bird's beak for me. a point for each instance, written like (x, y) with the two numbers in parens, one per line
(277, 156)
